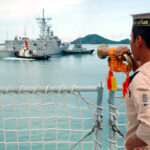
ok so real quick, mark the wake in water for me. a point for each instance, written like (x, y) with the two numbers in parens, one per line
(15, 58)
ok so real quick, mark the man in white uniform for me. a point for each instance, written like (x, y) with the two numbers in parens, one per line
(138, 95)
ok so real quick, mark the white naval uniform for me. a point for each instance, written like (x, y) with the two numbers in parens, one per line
(138, 106)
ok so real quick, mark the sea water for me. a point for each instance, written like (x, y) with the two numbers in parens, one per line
(58, 70)
(81, 70)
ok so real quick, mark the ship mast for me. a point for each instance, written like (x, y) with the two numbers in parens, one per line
(43, 25)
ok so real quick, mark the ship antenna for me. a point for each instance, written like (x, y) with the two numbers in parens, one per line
(43, 25)
(43, 13)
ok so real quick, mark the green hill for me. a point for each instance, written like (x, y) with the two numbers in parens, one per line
(96, 39)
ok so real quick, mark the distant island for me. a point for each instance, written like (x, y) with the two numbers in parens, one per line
(97, 39)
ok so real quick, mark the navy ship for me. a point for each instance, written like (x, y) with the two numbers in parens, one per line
(47, 43)
(78, 49)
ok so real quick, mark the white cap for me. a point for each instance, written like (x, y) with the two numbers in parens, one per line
(141, 19)
(141, 16)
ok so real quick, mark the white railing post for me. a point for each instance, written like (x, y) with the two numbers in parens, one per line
(112, 114)
(98, 116)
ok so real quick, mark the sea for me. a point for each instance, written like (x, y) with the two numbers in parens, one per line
(58, 70)
(66, 70)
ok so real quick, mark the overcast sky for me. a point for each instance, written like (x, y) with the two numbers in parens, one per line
(70, 18)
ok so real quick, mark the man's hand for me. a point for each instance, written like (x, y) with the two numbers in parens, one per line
(119, 51)
(135, 143)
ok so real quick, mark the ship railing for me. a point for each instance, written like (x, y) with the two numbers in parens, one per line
(61, 118)
(116, 119)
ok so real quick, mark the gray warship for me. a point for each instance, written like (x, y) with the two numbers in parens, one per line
(78, 49)
(47, 43)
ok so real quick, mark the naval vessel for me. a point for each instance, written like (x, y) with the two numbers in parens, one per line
(47, 43)
(78, 49)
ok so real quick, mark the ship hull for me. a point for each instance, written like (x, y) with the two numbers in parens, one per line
(77, 52)
(51, 47)
(37, 57)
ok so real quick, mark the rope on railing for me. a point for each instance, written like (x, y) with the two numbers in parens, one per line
(114, 114)
(47, 89)
(21, 99)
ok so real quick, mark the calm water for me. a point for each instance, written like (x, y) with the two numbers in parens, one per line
(66, 70)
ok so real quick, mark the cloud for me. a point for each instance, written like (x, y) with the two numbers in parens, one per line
(14, 9)
(70, 17)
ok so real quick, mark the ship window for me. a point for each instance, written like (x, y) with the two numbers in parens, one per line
(35, 44)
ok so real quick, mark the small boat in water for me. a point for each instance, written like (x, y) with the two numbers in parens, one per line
(25, 52)
(78, 49)
(37, 57)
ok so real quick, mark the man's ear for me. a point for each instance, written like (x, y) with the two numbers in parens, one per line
(139, 41)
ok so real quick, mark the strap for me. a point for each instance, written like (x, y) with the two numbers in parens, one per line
(131, 77)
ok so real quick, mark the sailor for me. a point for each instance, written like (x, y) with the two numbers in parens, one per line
(138, 95)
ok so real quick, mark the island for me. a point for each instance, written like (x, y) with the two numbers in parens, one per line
(97, 39)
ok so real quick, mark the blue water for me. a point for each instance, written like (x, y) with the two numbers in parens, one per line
(68, 70)
(82, 70)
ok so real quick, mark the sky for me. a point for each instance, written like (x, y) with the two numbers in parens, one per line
(70, 18)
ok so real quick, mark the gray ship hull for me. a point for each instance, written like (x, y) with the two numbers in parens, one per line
(50, 51)
(48, 47)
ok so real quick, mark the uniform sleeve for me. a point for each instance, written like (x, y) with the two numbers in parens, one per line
(143, 132)
(142, 104)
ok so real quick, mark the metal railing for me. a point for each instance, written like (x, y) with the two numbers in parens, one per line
(116, 114)
(10, 104)
(30, 107)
